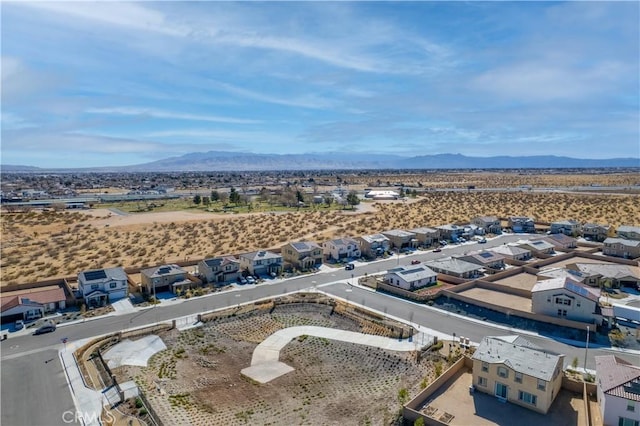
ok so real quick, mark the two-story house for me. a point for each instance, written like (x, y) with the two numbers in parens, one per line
(621, 247)
(261, 263)
(618, 391)
(372, 246)
(101, 286)
(629, 232)
(522, 224)
(163, 278)
(489, 224)
(565, 298)
(411, 277)
(302, 255)
(401, 239)
(450, 232)
(485, 258)
(426, 236)
(341, 249)
(219, 270)
(568, 227)
(515, 370)
(595, 232)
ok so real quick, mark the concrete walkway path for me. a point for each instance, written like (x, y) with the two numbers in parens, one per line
(265, 364)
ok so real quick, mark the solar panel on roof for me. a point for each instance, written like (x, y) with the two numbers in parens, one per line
(486, 255)
(164, 270)
(299, 246)
(577, 289)
(95, 275)
(632, 387)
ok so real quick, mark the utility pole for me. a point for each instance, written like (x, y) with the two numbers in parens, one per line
(586, 349)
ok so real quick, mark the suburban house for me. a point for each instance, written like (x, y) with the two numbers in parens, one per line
(565, 298)
(101, 286)
(400, 239)
(219, 270)
(561, 241)
(450, 232)
(621, 247)
(595, 232)
(375, 245)
(484, 258)
(512, 252)
(426, 236)
(303, 255)
(489, 224)
(522, 224)
(411, 277)
(455, 267)
(567, 227)
(537, 246)
(261, 263)
(629, 232)
(341, 249)
(164, 278)
(607, 274)
(470, 230)
(515, 370)
(618, 391)
(31, 304)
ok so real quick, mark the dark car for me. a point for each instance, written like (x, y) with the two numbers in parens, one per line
(47, 328)
(415, 262)
(349, 266)
(437, 250)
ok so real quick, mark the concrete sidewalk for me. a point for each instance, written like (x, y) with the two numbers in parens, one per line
(265, 364)
(88, 402)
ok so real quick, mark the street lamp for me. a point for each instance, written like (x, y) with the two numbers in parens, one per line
(586, 349)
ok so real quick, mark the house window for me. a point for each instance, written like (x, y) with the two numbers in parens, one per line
(518, 377)
(567, 302)
(631, 406)
(542, 385)
(623, 421)
(558, 301)
(95, 286)
(527, 397)
(577, 303)
(548, 299)
(485, 367)
(113, 285)
(503, 372)
(562, 312)
(482, 381)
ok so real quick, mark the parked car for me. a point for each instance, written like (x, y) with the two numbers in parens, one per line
(437, 250)
(47, 328)
(250, 280)
(349, 266)
(482, 241)
(242, 280)
(19, 325)
(415, 262)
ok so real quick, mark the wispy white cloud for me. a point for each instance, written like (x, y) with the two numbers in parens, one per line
(157, 113)
(308, 101)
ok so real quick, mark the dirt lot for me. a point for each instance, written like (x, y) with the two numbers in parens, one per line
(43, 245)
(197, 379)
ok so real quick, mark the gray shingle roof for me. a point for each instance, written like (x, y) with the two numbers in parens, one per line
(262, 254)
(519, 355)
(100, 275)
(161, 271)
(303, 246)
(623, 241)
(413, 273)
(453, 265)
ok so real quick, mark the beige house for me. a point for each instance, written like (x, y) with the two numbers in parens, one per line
(341, 249)
(522, 224)
(401, 239)
(219, 270)
(489, 224)
(568, 227)
(261, 263)
(163, 278)
(455, 267)
(620, 247)
(485, 258)
(565, 298)
(595, 232)
(375, 245)
(512, 252)
(515, 370)
(426, 236)
(411, 277)
(561, 241)
(536, 246)
(303, 255)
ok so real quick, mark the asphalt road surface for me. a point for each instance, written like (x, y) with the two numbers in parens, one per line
(35, 392)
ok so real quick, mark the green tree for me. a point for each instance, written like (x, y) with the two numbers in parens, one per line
(328, 199)
(419, 422)
(352, 198)
(206, 201)
(403, 396)
(299, 196)
(197, 200)
(215, 196)
(234, 196)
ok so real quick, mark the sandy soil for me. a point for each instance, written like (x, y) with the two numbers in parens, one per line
(197, 380)
(43, 245)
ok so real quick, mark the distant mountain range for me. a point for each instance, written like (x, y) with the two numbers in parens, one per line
(234, 161)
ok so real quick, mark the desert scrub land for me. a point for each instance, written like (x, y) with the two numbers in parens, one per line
(42, 245)
(197, 379)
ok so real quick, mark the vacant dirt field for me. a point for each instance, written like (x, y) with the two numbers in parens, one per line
(197, 379)
(42, 245)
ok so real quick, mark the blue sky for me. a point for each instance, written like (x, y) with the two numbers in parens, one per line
(96, 84)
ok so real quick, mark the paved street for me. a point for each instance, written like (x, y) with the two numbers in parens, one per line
(25, 376)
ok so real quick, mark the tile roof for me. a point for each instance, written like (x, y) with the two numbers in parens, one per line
(413, 272)
(482, 257)
(423, 230)
(453, 265)
(607, 270)
(374, 238)
(101, 275)
(567, 284)
(518, 354)
(220, 261)
(162, 271)
(399, 233)
(41, 295)
(618, 377)
(303, 246)
(536, 244)
(262, 254)
(510, 250)
(343, 242)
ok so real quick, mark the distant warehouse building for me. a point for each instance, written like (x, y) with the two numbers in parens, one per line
(382, 195)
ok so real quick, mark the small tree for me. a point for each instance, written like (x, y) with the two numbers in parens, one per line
(419, 422)
(403, 396)
(574, 363)
(206, 201)
(215, 196)
(234, 196)
(197, 200)
(352, 198)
